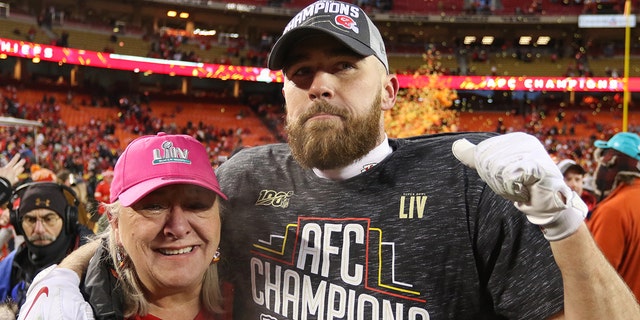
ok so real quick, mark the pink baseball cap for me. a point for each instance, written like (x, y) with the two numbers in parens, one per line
(151, 162)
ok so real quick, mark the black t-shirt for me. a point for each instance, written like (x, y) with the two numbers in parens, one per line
(418, 236)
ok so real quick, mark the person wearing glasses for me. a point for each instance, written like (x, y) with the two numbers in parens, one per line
(48, 221)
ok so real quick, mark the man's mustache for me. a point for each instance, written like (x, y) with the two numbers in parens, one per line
(322, 107)
(41, 237)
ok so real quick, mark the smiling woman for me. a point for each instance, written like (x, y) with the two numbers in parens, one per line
(160, 249)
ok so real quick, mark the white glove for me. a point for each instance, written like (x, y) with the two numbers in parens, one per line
(517, 167)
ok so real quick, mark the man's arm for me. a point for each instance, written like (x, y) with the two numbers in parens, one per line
(592, 288)
(517, 167)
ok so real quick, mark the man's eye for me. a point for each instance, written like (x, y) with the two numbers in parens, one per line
(298, 72)
(30, 220)
(346, 66)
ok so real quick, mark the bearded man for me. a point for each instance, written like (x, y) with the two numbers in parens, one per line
(615, 221)
(45, 213)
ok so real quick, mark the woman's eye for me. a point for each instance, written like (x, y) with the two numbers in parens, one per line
(150, 207)
(199, 205)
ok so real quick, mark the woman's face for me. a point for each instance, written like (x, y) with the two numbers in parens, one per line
(171, 236)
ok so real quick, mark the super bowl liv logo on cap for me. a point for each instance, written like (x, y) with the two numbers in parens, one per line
(347, 13)
(169, 153)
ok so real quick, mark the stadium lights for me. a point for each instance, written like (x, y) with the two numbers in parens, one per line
(543, 40)
(201, 32)
(469, 39)
(173, 14)
(524, 40)
(487, 40)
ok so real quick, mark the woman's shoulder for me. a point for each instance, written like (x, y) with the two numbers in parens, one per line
(202, 315)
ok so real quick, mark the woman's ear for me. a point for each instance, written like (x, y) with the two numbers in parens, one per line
(113, 223)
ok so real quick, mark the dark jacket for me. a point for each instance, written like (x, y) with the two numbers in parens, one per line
(17, 270)
(99, 287)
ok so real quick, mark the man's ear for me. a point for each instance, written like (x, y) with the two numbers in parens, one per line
(390, 92)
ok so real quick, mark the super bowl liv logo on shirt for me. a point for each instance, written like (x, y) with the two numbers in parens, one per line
(412, 205)
(323, 7)
(169, 153)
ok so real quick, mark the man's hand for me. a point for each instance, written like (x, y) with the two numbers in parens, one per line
(517, 167)
(13, 169)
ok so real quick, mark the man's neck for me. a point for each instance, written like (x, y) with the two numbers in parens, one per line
(359, 166)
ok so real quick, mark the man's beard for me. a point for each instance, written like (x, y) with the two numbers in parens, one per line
(333, 143)
(604, 179)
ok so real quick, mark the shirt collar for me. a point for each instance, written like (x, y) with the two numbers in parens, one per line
(359, 166)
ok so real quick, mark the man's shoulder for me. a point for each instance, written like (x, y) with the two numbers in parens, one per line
(266, 148)
(255, 154)
(438, 141)
(472, 136)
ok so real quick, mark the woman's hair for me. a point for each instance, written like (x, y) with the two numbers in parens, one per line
(135, 303)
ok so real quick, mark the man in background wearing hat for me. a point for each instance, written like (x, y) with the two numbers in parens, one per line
(40, 218)
(574, 176)
(67, 178)
(615, 222)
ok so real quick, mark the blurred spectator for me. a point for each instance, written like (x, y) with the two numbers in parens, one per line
(103, 190)
(574, 177)
(63, 40)
(615, 222)
(75, 182)
(7, 233)
(31, 34)
(42, 174)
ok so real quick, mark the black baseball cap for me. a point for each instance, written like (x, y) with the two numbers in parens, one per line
(346, 22)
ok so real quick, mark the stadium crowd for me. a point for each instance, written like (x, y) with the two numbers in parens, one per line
(91, 148)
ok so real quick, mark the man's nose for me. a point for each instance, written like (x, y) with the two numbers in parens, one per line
(321, 86)
(38, 227)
